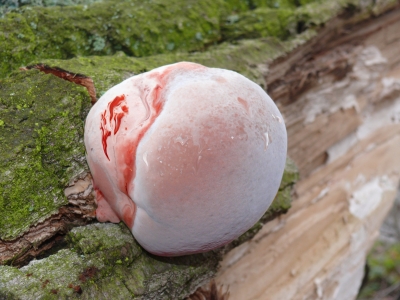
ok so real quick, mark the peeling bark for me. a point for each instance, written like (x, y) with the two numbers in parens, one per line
(51, 232)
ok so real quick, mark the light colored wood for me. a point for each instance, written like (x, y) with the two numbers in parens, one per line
(344, 134)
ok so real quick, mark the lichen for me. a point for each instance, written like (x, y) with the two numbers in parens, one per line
(42, 147)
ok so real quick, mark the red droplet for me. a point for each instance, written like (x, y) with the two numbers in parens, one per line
(114, 104)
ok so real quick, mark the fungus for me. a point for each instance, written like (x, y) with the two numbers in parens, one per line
(189, 157)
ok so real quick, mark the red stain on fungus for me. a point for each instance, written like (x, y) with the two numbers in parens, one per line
(116, 109)
(154, 104)
(129, 149)
(152, 97)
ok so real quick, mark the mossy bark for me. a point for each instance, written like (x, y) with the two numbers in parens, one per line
(137, 28)
(142, 28)
(41, 138)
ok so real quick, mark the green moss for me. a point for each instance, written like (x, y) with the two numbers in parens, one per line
(105, 261)
(261, 22)
(106, 273)
(290, 176)
(383, 6)
(145, 28)
(95, 237)
(286, 19)
(384, 273)
(283, 200)
(234, 6)
(284, 22)
(98, 30)
(138, 28)
(246, 57)
(42, 147)
(17, 41)
(41, 277)
(317, 13)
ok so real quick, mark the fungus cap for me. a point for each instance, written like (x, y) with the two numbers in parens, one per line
(189, 157)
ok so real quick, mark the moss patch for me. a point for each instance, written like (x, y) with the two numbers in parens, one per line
(145, 28)
(117, 269)
(262, 22)
(42, 147)
(290, 19)
(138, 28)
(383, 275)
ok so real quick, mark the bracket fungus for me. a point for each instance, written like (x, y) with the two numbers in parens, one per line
(189, 157)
